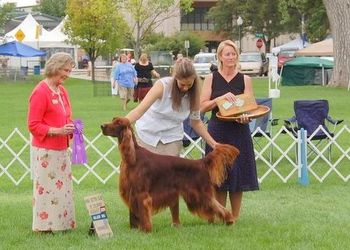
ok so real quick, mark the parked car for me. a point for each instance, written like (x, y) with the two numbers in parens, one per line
(202, 63)
(162, 62)
(254, 63)
(284, 56)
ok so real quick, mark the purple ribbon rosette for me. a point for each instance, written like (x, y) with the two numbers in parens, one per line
(78, 151)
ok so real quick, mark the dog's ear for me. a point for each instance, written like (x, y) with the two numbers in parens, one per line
(127, 122)
(122, 121)
(117, 121)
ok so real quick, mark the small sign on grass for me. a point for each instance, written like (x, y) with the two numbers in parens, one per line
(97, 210)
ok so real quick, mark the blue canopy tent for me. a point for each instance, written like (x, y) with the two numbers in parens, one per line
(19, 49)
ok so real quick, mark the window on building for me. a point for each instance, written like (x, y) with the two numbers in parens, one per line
(196, 20)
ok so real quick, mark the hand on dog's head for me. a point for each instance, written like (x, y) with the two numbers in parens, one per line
(115, 127)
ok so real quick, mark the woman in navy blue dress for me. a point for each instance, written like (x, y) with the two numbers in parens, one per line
(226, 83)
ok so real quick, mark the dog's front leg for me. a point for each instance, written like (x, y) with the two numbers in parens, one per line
(134, 221)
(174, 209)
(141, 207)
(221, 211)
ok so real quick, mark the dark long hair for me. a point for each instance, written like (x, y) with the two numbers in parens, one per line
(184, 68)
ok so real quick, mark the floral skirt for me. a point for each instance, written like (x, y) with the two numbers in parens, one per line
(53, 205)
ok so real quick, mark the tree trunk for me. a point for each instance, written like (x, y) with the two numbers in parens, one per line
(93, 69)
(138, 41)
(338, 12)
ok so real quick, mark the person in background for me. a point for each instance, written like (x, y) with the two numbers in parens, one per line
(125, 78)
(129, 56)
(114, 66)
(226, 83)
(89, 68)
(179, 56)
(50, 123)
(160, 115)
(145, 71)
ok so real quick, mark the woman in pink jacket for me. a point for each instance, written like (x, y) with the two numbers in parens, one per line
(50, 123)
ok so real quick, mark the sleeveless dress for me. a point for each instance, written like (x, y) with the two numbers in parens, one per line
(243, 175)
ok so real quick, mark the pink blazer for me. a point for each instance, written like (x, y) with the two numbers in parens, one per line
(45, 111)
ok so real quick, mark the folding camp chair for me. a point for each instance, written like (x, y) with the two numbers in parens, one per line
(312, 115)
(261, 128)
(191, 137)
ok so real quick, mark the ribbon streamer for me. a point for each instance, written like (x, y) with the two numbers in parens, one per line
(78, 151)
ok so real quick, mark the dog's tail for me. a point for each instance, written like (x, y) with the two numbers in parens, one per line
(219, 161)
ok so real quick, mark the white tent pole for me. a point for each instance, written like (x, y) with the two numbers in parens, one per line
(323, 76)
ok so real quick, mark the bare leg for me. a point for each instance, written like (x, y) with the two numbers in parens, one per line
(236, 200)
(124, 104)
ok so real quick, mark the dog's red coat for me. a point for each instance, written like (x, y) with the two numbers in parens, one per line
(149, 182)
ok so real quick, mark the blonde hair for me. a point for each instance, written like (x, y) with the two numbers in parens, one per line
(124, 56)
(143, 58)
(183, 69)
(221, 47)
(56, 62)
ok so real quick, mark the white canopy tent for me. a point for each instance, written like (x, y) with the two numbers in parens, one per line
(297, 43)
(55, 41)
(49, 41)
(29, 28)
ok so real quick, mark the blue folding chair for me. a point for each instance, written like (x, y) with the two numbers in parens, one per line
(189, 131)
(312, 116)
(261, 127)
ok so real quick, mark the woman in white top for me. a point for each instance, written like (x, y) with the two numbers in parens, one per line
(160, 115)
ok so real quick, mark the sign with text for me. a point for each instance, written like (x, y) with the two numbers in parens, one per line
(97, 211)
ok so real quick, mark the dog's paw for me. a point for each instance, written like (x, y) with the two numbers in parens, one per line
(211, 221)
(229, 220)
(229, 223)
(175, 224)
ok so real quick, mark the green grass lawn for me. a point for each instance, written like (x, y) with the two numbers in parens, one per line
(279, 216)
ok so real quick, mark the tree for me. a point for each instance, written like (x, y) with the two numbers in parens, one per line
(96, 26)
(309, 16)
(226, 12)
(338, 14)
(265, 18)
(175, 43)
(147, 15)
(52, 7)
(5, 11)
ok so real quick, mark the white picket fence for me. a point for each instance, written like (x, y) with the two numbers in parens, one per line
(276, 156)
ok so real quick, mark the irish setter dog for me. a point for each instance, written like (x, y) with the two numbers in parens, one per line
(150, 182)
